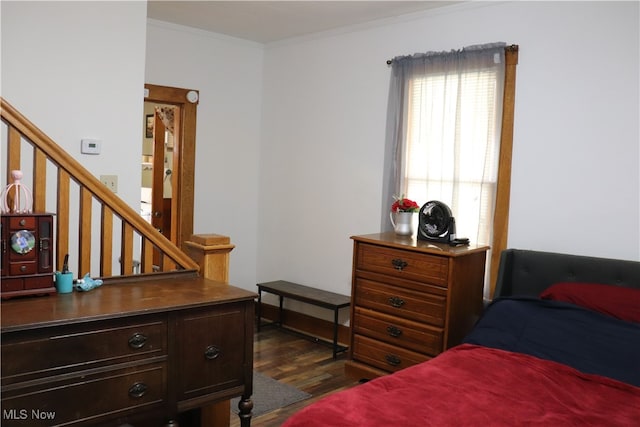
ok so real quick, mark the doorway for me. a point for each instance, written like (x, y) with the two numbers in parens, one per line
(168, 161)
(157, 166)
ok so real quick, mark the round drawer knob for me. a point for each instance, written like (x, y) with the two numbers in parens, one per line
(393, 360)
(396, 302)
(137, 340)
(212, 352)
(399, 264)
(23, 268)
(394, 331)
(138, 390)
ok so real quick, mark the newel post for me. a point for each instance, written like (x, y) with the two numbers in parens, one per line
(211, 252)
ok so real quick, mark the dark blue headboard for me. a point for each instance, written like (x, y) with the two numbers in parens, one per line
(526, 272)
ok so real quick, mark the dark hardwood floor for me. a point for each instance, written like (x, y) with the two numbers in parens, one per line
(300, 362)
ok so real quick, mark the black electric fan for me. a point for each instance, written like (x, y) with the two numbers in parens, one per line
(437, 224)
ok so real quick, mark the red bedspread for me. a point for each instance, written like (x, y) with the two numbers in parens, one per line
(478, 386)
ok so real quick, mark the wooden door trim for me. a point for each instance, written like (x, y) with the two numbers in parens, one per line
(184, 156)
(157, 190)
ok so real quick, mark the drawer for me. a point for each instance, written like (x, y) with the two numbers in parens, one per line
(398, 332)
(22, 223)
(34, 282)
(403, 264)
(86, 399)
(8, 285)
(384, 356)
(23, 268)
(38, 282)
(54, 351)
(398, 302)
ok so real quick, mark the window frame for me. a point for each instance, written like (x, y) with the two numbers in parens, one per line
(503, 191)
(500, 222)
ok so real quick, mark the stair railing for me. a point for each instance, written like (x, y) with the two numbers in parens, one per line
(125, 239)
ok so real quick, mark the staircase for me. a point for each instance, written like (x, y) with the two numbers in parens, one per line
(101, 233)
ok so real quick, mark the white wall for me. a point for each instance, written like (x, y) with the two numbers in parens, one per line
(577, 122)
(575, 185)
(76, 70)
(228, 74)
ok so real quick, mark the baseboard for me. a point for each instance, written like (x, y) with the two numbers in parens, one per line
(308, 325)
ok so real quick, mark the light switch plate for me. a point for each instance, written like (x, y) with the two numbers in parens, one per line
(111, 181)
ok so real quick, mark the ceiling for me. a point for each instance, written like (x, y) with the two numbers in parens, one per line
(270, 21)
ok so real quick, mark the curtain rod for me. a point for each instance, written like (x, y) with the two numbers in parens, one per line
(513, 48)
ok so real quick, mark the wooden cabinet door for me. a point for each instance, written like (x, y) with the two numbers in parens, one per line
(210, 347)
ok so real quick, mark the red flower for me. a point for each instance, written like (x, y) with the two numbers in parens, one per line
(403, 204)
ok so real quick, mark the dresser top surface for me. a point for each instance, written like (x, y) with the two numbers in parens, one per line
(392, 240)
(117, 300)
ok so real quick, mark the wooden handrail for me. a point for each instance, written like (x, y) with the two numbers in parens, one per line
(90, 189)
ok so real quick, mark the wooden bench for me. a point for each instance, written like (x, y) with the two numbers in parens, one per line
(307, 295)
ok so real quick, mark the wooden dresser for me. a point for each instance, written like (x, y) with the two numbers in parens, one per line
(133, 353)
(411, 300)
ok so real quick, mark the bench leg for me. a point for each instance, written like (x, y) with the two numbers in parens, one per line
(280, 312)
(335, 333)
(259, 308)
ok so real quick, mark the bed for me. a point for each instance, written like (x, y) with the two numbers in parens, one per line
(559, 345)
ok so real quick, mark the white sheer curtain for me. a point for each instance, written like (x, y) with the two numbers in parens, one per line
(443, 133)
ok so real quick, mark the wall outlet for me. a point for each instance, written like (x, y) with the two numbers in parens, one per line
(111, 181)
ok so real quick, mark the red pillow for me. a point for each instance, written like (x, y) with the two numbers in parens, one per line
(617, 301)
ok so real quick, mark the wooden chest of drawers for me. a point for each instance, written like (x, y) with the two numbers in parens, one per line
(411, 300)
(135, 353)
(46, 370)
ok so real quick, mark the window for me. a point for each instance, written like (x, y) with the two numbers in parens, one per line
(449, 142)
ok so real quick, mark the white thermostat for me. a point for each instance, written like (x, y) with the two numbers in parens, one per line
(90, 146)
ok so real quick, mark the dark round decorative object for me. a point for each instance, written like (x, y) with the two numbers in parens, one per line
(23, 241)
(434, 221)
